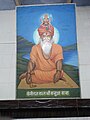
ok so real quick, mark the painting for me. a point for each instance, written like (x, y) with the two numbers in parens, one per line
(47, 52)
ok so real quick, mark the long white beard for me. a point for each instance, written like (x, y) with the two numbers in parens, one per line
(46, 46)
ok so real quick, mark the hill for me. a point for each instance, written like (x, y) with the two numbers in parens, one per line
(24, 47)
(70, 47)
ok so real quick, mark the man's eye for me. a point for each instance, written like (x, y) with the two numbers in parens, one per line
(48, 36)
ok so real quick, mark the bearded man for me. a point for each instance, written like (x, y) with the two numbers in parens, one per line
(45, 63)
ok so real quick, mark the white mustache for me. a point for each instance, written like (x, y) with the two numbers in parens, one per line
(46, 46)
(46, 39)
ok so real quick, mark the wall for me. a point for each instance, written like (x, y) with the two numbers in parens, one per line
(8, 52)
(7, 4)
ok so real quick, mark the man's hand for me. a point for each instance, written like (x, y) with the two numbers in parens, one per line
(57, 76)
(28, 78)
(31, 67)
(59, 73)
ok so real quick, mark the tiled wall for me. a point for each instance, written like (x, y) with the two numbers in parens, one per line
(8, 52)
(7, 55)
(83, 36)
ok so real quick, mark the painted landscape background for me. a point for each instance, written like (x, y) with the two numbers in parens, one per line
(64, 20)
(23, 51)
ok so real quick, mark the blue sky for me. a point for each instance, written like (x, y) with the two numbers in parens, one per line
(64, 19)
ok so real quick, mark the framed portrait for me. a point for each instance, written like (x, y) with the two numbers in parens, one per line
(47, 52)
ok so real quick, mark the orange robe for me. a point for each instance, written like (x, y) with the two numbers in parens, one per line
(45, 68)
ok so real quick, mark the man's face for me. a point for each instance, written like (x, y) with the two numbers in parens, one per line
(46, 43)
(46, 37)
(46, 21)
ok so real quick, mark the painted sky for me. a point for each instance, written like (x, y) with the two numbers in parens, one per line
(64, 19)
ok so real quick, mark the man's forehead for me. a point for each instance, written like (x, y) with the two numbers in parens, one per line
(46, 34)
(46, 16)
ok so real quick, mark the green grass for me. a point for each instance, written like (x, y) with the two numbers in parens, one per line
(73, 72)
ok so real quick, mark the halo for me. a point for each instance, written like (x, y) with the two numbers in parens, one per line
(36, 36)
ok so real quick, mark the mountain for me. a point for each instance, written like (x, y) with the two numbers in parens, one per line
(24, 47)
(70, 47)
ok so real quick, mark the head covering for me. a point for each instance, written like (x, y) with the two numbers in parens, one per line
(45, 29)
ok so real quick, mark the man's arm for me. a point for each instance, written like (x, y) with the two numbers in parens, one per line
(59, 65)
(31, 67)
(58, 73)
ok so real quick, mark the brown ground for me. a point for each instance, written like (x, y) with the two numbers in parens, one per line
(69, 83)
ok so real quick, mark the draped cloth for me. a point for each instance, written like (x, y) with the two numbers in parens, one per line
(45, 68)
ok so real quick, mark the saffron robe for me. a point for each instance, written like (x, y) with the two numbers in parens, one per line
(45, 68)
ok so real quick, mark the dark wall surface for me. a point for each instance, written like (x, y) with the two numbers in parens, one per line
(10, 4)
